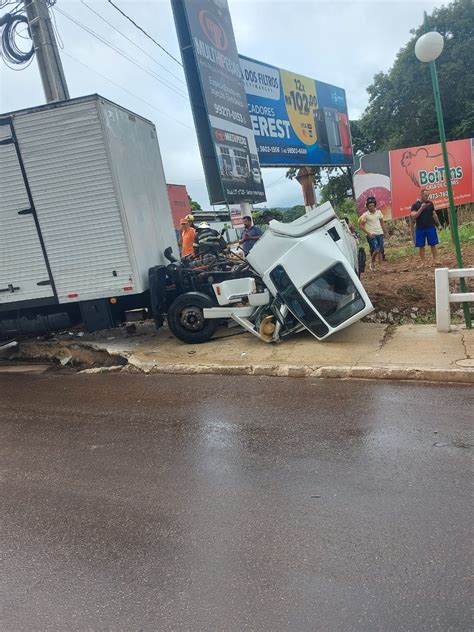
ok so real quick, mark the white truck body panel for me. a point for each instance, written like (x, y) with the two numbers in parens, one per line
(98, 187)
(22, 262)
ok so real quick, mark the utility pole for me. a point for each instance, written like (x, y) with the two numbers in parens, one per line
(46, 49)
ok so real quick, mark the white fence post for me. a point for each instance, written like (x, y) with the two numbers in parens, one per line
(443, 310)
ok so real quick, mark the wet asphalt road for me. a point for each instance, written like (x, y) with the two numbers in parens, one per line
(210, 503)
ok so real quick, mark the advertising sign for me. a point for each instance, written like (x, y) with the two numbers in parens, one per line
(218, 101)
(236, 217)
(296, 120)
(422, 167)
(395, 178)
(372, 179)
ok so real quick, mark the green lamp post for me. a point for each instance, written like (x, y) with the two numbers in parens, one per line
(427, 49)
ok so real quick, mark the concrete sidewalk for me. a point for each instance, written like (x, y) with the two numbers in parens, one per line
(365, 350)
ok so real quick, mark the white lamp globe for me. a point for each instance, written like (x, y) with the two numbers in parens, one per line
(429, 46)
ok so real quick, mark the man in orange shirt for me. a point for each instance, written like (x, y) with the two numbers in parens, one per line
(187, 238)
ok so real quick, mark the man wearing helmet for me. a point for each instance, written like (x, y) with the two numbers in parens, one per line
(207, 240)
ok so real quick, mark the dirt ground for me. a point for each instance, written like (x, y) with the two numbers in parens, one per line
(403, 285)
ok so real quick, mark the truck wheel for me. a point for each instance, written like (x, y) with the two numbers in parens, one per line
(186, 319)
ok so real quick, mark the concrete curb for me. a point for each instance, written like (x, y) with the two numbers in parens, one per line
(112, 362)
(465, 376)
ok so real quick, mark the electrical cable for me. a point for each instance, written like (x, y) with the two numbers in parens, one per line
(129, 58)
(117, 85)
(267, 186)
(6, 3)
(56, 30)
(11, 52)
(144, 32)
(132, 42)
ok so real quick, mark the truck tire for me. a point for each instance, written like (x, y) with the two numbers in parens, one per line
(186, 319)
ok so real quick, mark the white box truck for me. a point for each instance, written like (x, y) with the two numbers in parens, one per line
(84, 215)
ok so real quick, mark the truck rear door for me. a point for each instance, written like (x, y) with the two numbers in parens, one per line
(24, 269)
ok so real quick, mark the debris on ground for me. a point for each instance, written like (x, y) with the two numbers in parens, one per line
(8, 347)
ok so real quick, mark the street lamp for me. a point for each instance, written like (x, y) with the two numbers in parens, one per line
(427, 49)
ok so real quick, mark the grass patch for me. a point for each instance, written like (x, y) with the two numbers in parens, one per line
(466, 234)
(395, 251)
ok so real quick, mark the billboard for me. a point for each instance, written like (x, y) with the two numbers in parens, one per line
(218, 101)
(395, 178)
(296, 120)
(236, 217)
(422, 167)
(372, 178)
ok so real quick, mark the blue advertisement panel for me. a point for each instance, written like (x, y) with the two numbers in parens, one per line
(296, 120)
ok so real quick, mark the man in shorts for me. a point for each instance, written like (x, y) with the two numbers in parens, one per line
(373, 225)
(426, 220)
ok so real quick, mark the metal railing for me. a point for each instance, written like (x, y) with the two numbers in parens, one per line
(444, 297)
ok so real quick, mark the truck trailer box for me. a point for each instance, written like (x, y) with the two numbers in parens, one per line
(84, 210)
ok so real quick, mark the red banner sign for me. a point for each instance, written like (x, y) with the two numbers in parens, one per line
(423, 168)
(395, 178)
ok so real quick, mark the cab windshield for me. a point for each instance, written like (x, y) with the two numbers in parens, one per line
(296, 303)
(334, 295)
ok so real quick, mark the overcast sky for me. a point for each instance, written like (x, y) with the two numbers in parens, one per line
(339, 42)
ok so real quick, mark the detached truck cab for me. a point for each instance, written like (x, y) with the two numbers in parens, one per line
(84, 215)
(302, 275)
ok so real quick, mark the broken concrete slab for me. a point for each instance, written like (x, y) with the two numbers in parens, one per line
(365, 350)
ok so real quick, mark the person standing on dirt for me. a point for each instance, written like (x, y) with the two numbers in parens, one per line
(250, 236)
(424, 215)
(373, 225)
(187, 238)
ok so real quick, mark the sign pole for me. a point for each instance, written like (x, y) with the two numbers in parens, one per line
(246, 208)
(452, 210)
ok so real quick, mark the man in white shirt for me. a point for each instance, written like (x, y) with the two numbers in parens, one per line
(373, 225)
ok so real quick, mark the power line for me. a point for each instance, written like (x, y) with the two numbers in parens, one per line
(118, 50)
(267, 186)
(132, 42)
(145, 33)
(117, 85)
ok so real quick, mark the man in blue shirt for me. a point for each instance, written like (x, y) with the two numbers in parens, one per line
(250, 236)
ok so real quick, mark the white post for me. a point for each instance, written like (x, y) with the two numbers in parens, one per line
(246, 208)
(443, 309)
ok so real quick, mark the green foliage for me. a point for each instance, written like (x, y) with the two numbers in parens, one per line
(361, 141)
(401, 110)
(466, 234)
(336, 188)
(258, 215)
(319, 174)
(286, 217)
(195, 206)
(294, 212)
